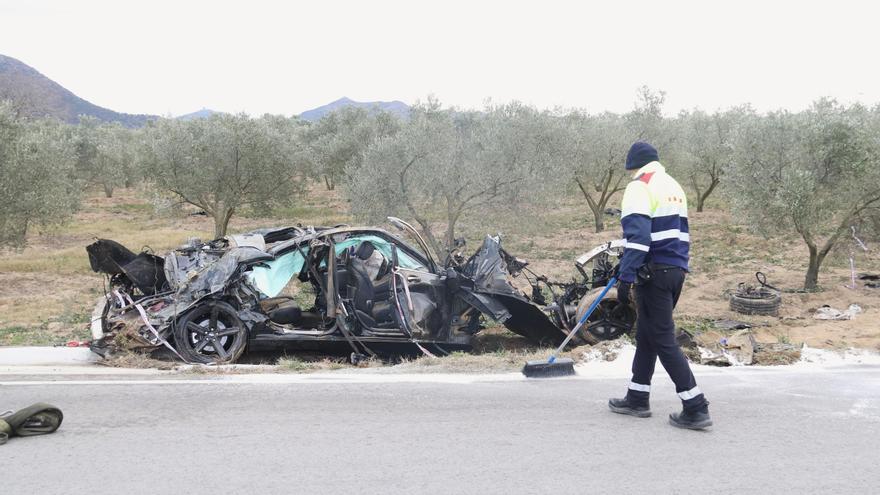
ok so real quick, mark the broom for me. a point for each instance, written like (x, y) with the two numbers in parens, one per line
(565, 366)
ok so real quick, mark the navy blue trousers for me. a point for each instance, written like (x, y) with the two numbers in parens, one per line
(655, 338)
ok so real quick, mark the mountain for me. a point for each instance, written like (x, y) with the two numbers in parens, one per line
(199, 114)
(39, 96)
(398, 108)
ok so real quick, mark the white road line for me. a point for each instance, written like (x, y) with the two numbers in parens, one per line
(438, 378)
(282, 379)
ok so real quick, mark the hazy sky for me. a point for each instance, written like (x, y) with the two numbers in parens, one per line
(175, 57)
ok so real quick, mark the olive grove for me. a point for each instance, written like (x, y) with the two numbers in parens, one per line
(444, 164)
(705, 149)
(592, 148)
(813, 172)
(341, 139)
(226, 162)
(106, 154)
(38, 183)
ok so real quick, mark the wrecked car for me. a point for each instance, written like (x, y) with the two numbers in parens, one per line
(332, 289)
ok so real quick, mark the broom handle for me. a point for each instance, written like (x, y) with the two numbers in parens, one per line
(583, 319)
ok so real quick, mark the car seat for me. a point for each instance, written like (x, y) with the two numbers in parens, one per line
(371, 297)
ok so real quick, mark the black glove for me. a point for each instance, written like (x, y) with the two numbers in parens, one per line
(624, 294)
(615, 272)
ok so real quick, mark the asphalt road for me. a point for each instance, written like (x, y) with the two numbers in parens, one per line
(776, 432)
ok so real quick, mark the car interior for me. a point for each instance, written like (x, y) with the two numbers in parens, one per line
(293, 284)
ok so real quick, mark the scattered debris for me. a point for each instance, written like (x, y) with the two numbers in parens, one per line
(756, 300)
(688, 344)
(726, 324)
(603, 351)
(614, 212)
(735, 350)
(776, 354)
(873, 280)
(828, 313)
(685, 338)
(38, 419)
(74, 343)
(740, 347)
(713, 358)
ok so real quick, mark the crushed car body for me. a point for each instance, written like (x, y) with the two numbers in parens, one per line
(332, 289)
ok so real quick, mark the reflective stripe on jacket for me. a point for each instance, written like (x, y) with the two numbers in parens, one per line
(655, 222)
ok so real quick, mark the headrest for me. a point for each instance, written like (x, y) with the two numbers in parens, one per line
(365, 250)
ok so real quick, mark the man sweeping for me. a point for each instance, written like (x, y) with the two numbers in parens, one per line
(655, 224)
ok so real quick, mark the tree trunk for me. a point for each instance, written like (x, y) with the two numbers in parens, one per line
(328, 181)
(108, 190)
(701, 198)
(599, 217)
(811, 281)
(453, 212)
(449, 237)
(597, 207)
(221, 221)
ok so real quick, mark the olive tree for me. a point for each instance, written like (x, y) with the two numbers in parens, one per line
(37, 175)
(593, 149)
(706, 149)
(445, 164)
(341, 138)
(226, 162)
(645, 122)
(813, 172)
(106, 153)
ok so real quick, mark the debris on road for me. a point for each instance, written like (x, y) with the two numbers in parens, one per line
(828, 313)
(38, 419)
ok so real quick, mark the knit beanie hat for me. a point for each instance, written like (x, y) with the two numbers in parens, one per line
(640, 154)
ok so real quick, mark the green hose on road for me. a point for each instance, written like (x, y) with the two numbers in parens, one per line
(38, 419)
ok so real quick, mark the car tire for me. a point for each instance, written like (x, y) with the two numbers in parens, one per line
(211, 332)
(608, 321)
(759, 304)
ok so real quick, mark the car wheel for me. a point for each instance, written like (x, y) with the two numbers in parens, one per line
(211, 332)
(609, 321)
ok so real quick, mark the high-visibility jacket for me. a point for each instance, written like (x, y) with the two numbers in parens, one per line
(655, 222)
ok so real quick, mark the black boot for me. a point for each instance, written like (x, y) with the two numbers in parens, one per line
(695, 418)
(627, 405)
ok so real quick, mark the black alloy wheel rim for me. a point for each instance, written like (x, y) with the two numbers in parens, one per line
(610, 321)
(212, 332)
